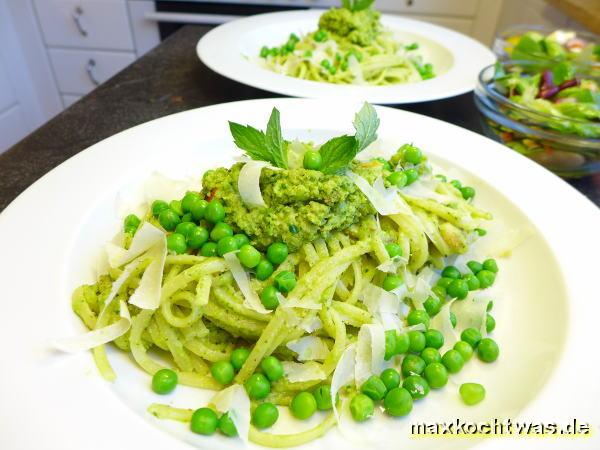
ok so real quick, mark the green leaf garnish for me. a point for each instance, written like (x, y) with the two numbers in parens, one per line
(357, 5)
(366, 123)
(337, 153)
(274, 141)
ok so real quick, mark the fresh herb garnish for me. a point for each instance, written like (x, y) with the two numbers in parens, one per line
(261, 146)
(357, 5)
(336, 153)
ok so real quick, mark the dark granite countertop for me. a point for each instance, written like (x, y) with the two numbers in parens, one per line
(167, 80)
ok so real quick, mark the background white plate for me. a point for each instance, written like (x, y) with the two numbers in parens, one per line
(457, 59)
(52, 234)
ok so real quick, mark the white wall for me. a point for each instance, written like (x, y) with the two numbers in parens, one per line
(533, 12)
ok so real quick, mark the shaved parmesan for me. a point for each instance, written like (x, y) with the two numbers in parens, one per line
(503, 245)
(295, 154)
(234, 400)
(385, 201)
(298, 303)
(378, 300)
(309, 348)
(307, 371)
(146, 237)
(106, 334)
(426, 188)
(311, 324)
(343, 375)
(471, 312)
(240, 276)
(392, 264)
(355, 69)
(148, 293)
(370, 352)
(441, 322)
(249, 183)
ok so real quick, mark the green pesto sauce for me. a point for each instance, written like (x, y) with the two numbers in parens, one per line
(302, 205)
(359, 28)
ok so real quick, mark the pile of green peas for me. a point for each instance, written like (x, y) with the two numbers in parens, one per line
(408, 154)
(467, 193)
(285, 49)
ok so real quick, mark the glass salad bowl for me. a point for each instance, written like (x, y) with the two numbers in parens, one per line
(547, 113)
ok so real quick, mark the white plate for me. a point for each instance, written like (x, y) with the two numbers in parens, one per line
(457, 59)
(52, 234)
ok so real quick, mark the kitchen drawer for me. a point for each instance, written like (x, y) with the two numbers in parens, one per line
(13, 127)
(80, 71)
(102, 24)
(441, 7)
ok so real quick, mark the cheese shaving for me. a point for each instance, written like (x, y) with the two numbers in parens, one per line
(385, 201)
(145, 238)
(234, 400)
(441, 322)
(343, 375)
(240, 276)
(148, 293)
(249, 183)
(307, 371)
(370, 352)
(309, 348)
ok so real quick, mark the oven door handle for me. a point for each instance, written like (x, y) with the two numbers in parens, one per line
(205, 19)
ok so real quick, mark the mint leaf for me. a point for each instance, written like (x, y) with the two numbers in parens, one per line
(337, 153)
(357, 5)
(274, 141)
(251, 140)
(366, 123)
(347, 4)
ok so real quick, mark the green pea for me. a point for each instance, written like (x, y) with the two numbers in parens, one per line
(458, 289)
(398, 179)
(451, 272)
(453, 319)
(490, 306)
(264, 270)
(164, 381)
(257, 386)
(208, 249)
(320, 36)
(398, 402)
(176, 243)
(222, 372)
(411, 176)
(434, 339)
(226, 426)
(361, 407)
(390, 344)
(488, 350)
(431, 355)
(168, 219)
(486, 278)
(226, 245)
(402, 343)
(374, 388)
(412, 155)
(272, 368)
(471, 393)
(475, 267)
(277, 252)
(197, 237)
(472, 282)
(471, 336)
(386, 164)
(187, 217)
(265, 415)
(490, 323)
(391, 282)
(188, 200)
(241, 239)
(303, 405)
(393, 250)
(416, 386)
(417, 341)
(185, 228)
(214, 212)
(158, 206)
(417, 316)
(465, 350)
(439, 291)
(322, 396)
(467, 192)
(432, 305)
(285, 281)
(204, 421)
(238, 357)
(457, 184)
(249, 256)
(220, 231)
(390, 378)
(480, 231)
(436, 375)
(268, 297)
(264, 51)
(412, 365)
(175, 205)
(198, 209)
(444, 282)
(131, 221)
(491, 265)
(453, 361)
(312, 160)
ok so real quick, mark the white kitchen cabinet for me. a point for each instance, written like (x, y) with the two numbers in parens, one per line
(12, 126)
(69, 99)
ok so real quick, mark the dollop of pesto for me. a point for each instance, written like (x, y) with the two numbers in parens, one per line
(302, 205)
(358, 27)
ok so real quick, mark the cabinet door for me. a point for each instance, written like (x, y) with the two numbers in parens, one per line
(100, 24)
(80, 71)
(12, 127)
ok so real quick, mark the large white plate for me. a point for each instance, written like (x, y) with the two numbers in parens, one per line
(457, 58)
(52, 234)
